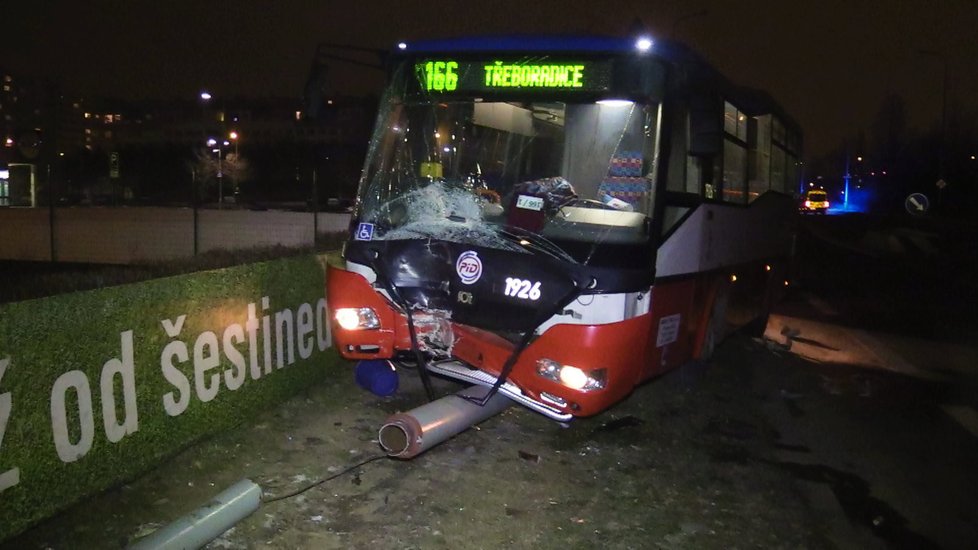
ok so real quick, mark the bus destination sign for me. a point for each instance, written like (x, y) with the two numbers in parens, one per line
(449, 75)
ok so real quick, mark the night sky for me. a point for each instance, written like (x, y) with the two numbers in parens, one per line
(830, 63)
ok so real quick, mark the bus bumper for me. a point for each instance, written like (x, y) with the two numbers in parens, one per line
(569, 370)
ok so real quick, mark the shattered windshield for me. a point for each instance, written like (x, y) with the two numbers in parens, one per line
(513, 175)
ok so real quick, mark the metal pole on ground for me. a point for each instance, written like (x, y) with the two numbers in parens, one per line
(408, 434)
(206, 523)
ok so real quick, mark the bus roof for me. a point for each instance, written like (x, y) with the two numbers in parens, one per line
(525, 43)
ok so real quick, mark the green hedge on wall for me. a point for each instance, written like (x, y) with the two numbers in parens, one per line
(98, 387)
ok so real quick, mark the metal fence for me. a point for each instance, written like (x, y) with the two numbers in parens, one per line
(133, 235)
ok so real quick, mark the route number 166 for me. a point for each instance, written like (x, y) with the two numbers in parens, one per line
(440, 76)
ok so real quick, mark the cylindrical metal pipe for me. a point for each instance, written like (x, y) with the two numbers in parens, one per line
(206, 523)
(408, 434)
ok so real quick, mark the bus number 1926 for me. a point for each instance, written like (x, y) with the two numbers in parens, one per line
(523, 289)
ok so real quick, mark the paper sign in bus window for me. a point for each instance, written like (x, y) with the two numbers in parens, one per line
(668, 330)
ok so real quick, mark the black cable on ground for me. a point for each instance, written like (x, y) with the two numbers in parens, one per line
(507, 369)
(391, 289)
(504, 373)
(297, 492)
(419, 357)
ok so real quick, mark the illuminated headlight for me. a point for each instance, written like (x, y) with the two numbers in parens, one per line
(571, 376)
(357, 318)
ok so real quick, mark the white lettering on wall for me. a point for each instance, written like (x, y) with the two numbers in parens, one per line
(126, 369)
(69, 451)
(284, 331)
(206, 357)
(252, 327)
(216, 356)
(323, 335)
(173, 329)
(10, 477)
(284, 337)
(267, 335)
(172, 404)
(303, 328)
(234, 334)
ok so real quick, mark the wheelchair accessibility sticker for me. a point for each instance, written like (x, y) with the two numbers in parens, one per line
(365, 232)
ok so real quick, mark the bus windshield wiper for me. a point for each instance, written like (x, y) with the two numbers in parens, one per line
(538, 242)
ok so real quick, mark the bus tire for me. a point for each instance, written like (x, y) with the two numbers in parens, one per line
(757, 326)
(773, 292)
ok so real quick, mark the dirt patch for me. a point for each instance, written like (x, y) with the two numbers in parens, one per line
(682, 463)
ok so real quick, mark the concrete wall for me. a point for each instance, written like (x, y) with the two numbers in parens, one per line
(24, 234)
(124, 235)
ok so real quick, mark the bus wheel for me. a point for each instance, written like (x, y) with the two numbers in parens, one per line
(773, 292)
(758, 325)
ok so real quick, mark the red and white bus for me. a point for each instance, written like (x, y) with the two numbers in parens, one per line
(563, 218)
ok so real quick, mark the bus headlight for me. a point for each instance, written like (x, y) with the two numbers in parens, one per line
(571, 376)
(357, 318)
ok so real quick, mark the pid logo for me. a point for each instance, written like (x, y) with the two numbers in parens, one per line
(469, 267)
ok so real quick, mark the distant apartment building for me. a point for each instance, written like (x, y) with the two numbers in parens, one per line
(73, 144)
(28, 114)
(106, 124)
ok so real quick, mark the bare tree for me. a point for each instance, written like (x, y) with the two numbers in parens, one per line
(210, 168)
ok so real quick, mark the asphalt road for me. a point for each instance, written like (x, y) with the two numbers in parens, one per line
(884, 313)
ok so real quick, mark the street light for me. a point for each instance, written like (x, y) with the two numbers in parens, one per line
(211, 142)
(205, 99)
(233, 136)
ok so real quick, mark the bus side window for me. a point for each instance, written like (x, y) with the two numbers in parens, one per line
(696, 144)
(734, 184)
(759, 179)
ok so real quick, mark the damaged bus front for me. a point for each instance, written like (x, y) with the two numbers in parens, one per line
(502, 233)
(561, 219)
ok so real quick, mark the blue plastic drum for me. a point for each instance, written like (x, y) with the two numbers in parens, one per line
(377, 376)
